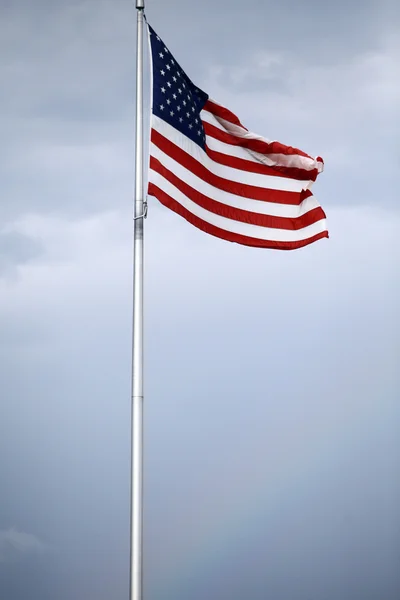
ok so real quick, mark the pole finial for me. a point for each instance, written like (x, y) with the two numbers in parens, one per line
(140, 4)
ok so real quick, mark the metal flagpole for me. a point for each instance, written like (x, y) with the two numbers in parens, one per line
(136, 550)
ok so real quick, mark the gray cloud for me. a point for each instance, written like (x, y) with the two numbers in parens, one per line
(67, 119)
(16, 249)
(247, 446)
(14, 544)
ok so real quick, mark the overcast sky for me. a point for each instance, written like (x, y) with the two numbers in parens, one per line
(272, 417)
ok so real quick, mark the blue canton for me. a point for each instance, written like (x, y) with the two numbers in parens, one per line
(176, 99)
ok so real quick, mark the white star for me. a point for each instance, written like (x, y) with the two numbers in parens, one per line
(172, 62)
(163, 90)
(178, 73)
(196, 121)
(190, 126)
(169, 84)
(162, 72)
(183, 85)
(168, 67)
(199, 132)
(184, 103)
(161, 106)
(178, 107)
(174, 78)
(174, 96)
(172, 113)
(161, 55)
(168, 101)
(189, 96)
(180, 119)
(165, 49)
(179, 90)
(193, 109)
(158, 38)
(188, 115)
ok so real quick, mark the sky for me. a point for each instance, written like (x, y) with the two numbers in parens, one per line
(272, 387)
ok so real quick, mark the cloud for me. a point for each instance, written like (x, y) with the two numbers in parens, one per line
(215, 310)
(69, 106)
(15, 544)
(16, 249)
(347, 111)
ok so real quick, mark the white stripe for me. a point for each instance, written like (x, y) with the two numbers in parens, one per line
(228, 173)
(222, 123)
(292, 160)
(256, 206)
(250, 155)
(254, 231)
(238, 151)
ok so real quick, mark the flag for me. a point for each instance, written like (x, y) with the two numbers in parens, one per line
(231, 183)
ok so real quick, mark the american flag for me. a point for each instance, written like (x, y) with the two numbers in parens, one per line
(231, 183)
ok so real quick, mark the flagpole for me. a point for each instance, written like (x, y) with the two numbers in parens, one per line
(136, 533)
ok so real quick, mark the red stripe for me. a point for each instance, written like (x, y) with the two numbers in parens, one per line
(237, 214)
(223, 113)
(263, 148)
(257, 167)
(274, 147)
(172, 204)
(239, 189)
